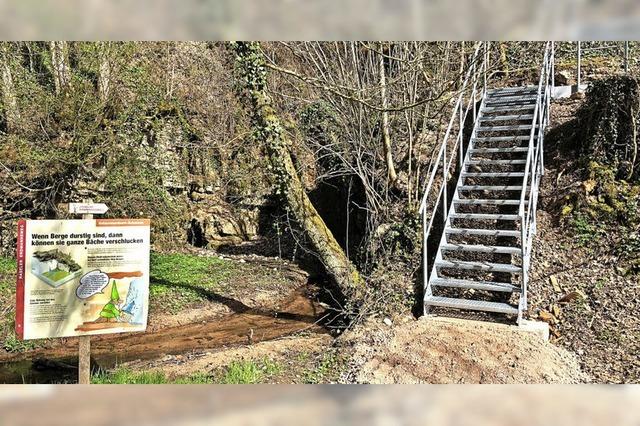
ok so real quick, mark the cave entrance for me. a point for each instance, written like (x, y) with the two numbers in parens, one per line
(340, 201)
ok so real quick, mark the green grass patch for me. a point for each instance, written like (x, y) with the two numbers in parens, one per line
(7, 265)
(248, 372)
(11, 342)
(586, 232)
(179, 280)
(327, 369)
(7, 277)
(238, 372)
(121, 376)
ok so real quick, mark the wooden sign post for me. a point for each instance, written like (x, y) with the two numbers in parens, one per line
(87, 208)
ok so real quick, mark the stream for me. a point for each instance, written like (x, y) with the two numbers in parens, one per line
(58, 364)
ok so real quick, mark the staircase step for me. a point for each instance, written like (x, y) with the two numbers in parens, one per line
(490, 188)
(481, 248)
(492, 100)
(503, 90)
(502, 138)
(475, 305)
(495, 162)
(506, 117)
(496, 174)
(484, 216)
(505, 128)
(494, 150)
(490, 202)
(476, 285)
(478, 266)
(485, 232)
(509, 108)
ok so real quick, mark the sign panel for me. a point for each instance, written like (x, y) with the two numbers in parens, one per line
(88, 208)
(82, 277)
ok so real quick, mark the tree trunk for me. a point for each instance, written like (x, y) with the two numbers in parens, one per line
(104, 73)
(386, 138)
(9, 98)
(503, 59)
(60, 65)
(268, 129)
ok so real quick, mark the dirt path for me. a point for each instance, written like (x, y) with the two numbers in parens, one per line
(298, 313)
(447, 350)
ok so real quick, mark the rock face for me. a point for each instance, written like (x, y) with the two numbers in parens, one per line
(211, 200)
(214, 223)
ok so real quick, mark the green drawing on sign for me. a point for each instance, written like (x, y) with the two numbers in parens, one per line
(110, 311)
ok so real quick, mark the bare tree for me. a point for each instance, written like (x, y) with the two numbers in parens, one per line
(269, 130)
(104, 71)
(386, 144)
(9, 99)
(60, 64)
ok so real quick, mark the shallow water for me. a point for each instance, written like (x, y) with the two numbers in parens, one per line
(245, 326)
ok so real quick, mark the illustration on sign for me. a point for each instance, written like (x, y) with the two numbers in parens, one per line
(84, 277)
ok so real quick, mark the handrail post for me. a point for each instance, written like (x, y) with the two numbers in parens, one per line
(486, 64)
(461, 133)
(444, 183)
(553, 67)
(579, 66)
(473, 95)
(425, 256)
(626, 57)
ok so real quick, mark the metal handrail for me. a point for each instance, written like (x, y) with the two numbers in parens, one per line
(442, 152)
(534, 167)
(581, 49)
(476, 74)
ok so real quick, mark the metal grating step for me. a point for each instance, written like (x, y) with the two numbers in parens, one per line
(493, 175)
(476, 305)
(502, 138)
(485, 232)
(509, 108)
(488, 202)
(506, 117)
(490, 188)
(501, 90)
(476, 285)
(484, 216)
(492, 100)
(481, 248)
(478, 266)
(495, 162)
(494, 150)
(505, 128)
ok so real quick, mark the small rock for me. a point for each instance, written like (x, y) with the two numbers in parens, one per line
(554, 282)
(242, 261)
(564, 78)
(387, 321)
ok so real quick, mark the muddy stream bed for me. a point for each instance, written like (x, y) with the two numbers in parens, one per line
(58, 363)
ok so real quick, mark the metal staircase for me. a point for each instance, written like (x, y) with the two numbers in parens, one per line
(488, 222)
